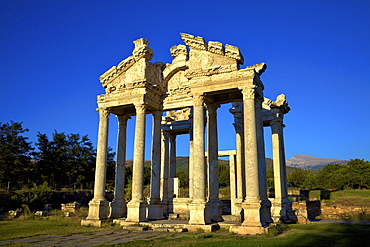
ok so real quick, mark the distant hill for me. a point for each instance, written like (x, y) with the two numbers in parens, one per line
(311, 163)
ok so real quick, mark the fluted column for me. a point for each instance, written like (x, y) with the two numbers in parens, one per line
(232, 163)
(136, 208)
(98, 206)
(237, 111)
(172, 167)
(155, 210)
(191, 149)
(213, 173)
(265, 202)
(281, 202)
(118, 205)
(164, 169)
(251, 205)
(199, 214)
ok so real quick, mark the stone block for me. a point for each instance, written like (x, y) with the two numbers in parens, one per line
(42, 213)
(250, 230)
(135, 228)
(205, 228)
(97, 223)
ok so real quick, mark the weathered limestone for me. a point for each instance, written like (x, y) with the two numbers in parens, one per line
(155, 207)
(252, 202)
(201, 75)
(215, 205)
(98, 206)
(136, 208)
(118, 205)
(199, 210)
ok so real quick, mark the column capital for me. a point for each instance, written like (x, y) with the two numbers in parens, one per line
(122, 117)
(249, 92)
(173, 138)
(103, 112)
(198, 99)
(166, 134)
(212, 107)
(157, 114)
(277, 123)
(140, 108)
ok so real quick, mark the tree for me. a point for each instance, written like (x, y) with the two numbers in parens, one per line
(14, 155)
(297, 177)
(67, 160)
(358, 174)
(224, 175)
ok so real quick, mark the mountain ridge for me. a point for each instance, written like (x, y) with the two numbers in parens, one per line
(304, 161)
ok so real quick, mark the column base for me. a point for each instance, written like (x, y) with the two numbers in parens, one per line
(252, 213)
(215, 210)
(97, 223)
(136, 211)
(282, 211)
(98, 210)
(266, 212)
(155, 211)
(236, 208)
(118, 209)
(199, 213)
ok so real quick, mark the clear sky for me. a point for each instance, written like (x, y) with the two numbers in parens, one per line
(317, 52)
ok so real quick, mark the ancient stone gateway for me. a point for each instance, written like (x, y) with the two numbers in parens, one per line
(189, 90)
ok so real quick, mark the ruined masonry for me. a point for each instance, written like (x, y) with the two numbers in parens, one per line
(188, 93)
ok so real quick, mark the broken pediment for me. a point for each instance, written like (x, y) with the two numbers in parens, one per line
(134, 71)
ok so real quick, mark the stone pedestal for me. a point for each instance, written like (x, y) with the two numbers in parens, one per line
(98, 210)
(215, 210)
(199, 213)
(136, 211)
(252, 213)
(118, 208)
(155, 211)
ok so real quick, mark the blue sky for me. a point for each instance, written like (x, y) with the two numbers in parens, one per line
(52, 53)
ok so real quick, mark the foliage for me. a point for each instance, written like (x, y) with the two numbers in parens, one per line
(224, 175)
(353, 175)
(15, 166)
(65, 160)
(184, 178)
(34, 198)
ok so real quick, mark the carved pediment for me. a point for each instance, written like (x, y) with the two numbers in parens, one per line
(134, 71)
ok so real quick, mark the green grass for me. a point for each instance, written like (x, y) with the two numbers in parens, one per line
(33, 226)
(298, 235)
(295, 235)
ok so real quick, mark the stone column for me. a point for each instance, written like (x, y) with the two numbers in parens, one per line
(281, 202)
(164, 170)
(251, 204)
(118, 205)
(191, 148)
(136, 208)
(237, 111)
(155, 208)
(265, 202)
(98, 206)
(232, 163)
(172, 167)
(213, 173)
(199, 213)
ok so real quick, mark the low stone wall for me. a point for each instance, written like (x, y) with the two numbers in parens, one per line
(325, 210)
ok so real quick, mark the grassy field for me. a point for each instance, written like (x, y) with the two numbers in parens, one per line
(294, 235)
